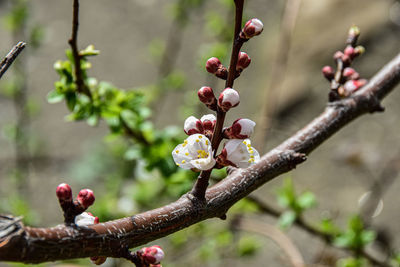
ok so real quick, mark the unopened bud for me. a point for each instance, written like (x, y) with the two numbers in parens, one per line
(228, 98)
(351, 74)
(64, 192)
(206, 95)
(85, 198)
(354, 31)
(359, 50)
(152, 255)
(208, 121)
(212, 65)
(243, 61)
(192, 125)
(349, 50)
(252, 28)
(240, 129)
(328, 72)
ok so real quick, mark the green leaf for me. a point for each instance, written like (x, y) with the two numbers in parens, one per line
(306, 200)
(287, 219)
(89, 51)
(345, 240)
(247, 246)
(367, 236)
(54, 97)
(130, 118)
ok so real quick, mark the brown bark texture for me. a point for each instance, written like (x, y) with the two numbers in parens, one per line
(34, 245)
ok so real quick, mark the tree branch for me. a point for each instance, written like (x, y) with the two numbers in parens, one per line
(34, 245)
(10, 57)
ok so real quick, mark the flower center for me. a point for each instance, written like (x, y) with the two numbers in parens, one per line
(201, 154)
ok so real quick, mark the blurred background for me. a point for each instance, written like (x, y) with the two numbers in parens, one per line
(159, 49)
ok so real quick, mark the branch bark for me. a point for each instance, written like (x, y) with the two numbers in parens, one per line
(10, 57)
(35, 245)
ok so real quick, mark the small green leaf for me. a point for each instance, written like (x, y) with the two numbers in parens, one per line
(287, 219)
(89, 51)
(306, 200)
(367, 236)
(54, 97)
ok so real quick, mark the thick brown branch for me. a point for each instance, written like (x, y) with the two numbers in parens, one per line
(36, 245)
(10, 57)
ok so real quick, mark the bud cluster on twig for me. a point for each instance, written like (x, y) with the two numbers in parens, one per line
(345, 80)
(198, 151)
(73, 208)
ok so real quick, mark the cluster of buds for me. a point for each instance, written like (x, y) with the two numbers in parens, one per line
(73, 208)
(198, 152)
(345, 80)
(149, 256)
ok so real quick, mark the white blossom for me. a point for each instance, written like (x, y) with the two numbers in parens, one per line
(240, 129)
(240, 153)
(194, 153)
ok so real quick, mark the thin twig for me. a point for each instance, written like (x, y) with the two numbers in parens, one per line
(73, 42)
(10, 57)
(201, 184)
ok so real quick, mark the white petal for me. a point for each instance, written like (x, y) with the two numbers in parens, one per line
(84, 219)
(208, 117)
(247, 126)
(231, 96)
(190, 123)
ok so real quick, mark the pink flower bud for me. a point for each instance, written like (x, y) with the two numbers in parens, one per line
(328, 72)
(192, 126)
(213, 64)
(85, 198)
(206, 95)
(243, 61)
(338, 55)
(349, 50)
(252, 28)
(228, 98)
(152, 255)
(208, 122)
(98, 260)
(240, 129)
(64, 192)
(351, 74)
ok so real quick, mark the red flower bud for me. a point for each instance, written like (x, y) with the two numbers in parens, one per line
(328, 72)
(152, 255)
(240, 129)
(206, 95)
(213, 64)
(252, 28)
(64, 192)
(243, 61)
(192, 125)
(85, 198)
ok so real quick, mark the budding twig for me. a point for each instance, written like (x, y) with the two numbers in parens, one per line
(73, 42)
(10, 57)
(201, 184)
